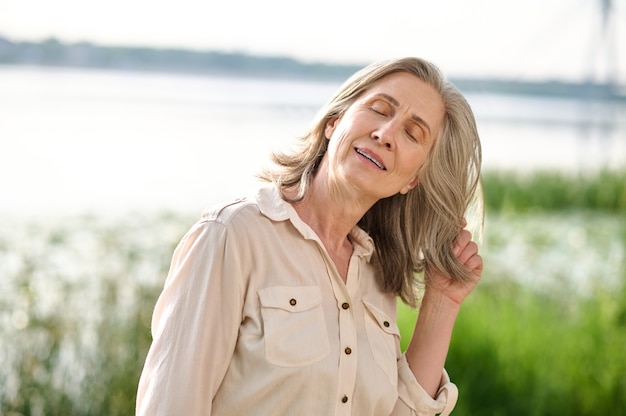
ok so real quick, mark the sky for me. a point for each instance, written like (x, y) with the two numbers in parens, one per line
(529, 39)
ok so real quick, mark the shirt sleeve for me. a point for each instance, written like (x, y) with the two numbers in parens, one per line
(194, 325)
(413, 400)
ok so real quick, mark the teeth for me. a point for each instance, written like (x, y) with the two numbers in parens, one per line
(370, 158)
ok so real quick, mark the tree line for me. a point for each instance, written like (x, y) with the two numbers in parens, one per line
(52, 52)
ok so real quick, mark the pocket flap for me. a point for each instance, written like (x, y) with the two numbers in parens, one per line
(384, 321)
(290, 298)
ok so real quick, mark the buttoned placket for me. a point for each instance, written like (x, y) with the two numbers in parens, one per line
(347, 337)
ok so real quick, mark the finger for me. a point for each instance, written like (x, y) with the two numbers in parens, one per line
(475, 264)
(460, 242)
(471, 249)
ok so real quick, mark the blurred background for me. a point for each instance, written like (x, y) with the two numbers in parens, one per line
(121, 121)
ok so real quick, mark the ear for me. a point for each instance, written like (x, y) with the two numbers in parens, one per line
(330, 127)
(410, 185)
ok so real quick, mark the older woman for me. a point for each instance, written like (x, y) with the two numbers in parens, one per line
(285, 303)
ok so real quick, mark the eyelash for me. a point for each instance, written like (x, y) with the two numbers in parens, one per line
(378, 112)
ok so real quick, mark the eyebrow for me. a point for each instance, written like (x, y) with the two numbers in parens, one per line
(414, 117)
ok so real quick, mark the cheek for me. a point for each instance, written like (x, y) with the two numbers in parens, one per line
(340, 134)
(337, 143)
(412, 162)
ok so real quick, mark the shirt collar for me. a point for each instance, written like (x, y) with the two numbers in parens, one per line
(274, 207)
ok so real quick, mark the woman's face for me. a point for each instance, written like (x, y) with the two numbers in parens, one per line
(382, 140)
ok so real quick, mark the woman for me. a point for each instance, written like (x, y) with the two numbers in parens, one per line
(285, 303)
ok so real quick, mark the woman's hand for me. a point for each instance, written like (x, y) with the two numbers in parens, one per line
(440, 305)
(466, 251)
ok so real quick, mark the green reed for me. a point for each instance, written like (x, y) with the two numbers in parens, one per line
(603, 190)
(517, 352)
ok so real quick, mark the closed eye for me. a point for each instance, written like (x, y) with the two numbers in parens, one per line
(415, 133)
(381, 107)
(377, 111)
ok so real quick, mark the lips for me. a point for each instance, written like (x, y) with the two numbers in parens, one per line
(371, 157)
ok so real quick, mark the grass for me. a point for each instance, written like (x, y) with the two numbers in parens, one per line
(543, 334)
(543, 191)
(516, 352)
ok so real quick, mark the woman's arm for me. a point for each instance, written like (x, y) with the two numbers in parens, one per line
(440, 306)
(194, 326)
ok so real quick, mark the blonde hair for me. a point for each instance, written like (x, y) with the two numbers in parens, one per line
(412, 233)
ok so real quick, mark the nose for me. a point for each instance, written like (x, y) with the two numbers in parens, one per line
(385, 134)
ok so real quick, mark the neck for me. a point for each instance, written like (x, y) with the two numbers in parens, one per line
(331, 211)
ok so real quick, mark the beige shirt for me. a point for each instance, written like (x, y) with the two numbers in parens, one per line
(254, 319)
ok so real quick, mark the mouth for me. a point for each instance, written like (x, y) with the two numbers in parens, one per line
(371, 159)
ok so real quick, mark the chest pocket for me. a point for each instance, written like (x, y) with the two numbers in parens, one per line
(383, 336)
(294, 325)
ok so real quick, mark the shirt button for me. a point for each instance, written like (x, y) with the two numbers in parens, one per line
(293, 302)
(348, 350)
(386, 323)
(345, 305)
(344, 399)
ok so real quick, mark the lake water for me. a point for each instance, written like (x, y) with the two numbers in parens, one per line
(78, 140)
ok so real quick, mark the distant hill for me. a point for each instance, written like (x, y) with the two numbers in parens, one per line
(52, 52)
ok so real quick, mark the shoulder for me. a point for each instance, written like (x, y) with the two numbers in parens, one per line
(230, 226)
(240, 222)
(266, 206)
(237, 212)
